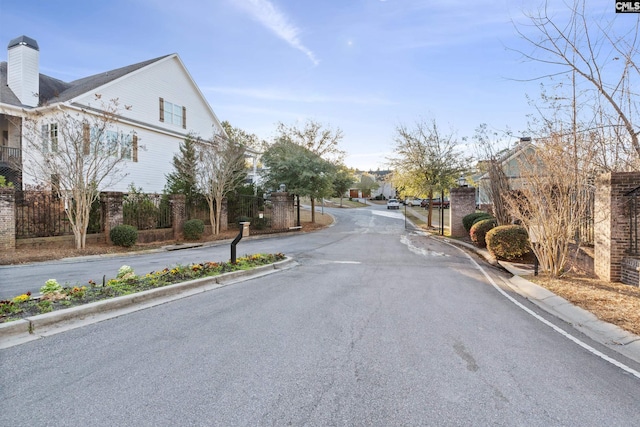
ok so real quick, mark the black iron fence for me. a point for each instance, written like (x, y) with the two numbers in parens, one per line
(146, 211)
(255, 209)
(43, 214)
(198, 208)
(585, 231)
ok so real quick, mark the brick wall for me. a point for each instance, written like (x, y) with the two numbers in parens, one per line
(462, 203)
(611, 223)
(7, 219)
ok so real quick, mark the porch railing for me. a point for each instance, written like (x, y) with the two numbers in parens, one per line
(9, 154)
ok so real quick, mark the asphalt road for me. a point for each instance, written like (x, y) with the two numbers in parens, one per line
(376, 327)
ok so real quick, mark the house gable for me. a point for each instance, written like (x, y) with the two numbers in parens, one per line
(142, 89)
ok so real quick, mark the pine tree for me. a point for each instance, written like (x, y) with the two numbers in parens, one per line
(183, 179)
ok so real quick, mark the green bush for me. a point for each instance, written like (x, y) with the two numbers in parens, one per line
(124, 235)
(508, 241)
(469, 220)
(479, 231)
(193, 229)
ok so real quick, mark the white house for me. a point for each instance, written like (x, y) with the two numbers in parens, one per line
(163, 102)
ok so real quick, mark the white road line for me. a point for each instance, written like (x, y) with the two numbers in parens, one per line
(551, 325)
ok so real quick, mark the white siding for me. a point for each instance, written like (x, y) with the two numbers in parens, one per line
(22, 74)
(158, 141)
(142, 89)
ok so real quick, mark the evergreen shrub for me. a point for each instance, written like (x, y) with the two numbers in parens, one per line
(508, 241)
(124, 235)
(479, 231)
(193, 229)
(469, 220)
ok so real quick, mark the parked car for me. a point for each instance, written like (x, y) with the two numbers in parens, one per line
(416, 202)
(393, 204)
(436, 203)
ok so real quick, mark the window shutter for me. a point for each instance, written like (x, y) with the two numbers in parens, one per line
(161, 109)
(134, 144)
(86, 139)
(184, 117)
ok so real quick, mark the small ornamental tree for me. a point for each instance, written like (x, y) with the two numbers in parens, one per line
(221, 168)
(77, 153)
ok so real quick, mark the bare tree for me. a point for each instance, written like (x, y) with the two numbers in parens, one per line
(554, 199)
(599, 51)
(77, 153)
(221, 168)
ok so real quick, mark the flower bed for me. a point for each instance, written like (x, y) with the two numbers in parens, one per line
(57, 297)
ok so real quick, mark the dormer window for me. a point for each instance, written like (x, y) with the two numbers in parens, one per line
(173, 113)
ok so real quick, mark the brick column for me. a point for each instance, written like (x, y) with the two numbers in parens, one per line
(178, 214)
(111, 202)
(283, 214)
(7, 220)
(611, 222)
(462, 203)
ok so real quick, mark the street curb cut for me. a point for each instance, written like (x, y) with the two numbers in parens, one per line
(35, 327)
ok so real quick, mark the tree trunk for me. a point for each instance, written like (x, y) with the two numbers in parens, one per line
(313, 210)
(212, 215)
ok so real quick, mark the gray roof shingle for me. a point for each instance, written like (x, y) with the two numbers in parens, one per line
(53, 90)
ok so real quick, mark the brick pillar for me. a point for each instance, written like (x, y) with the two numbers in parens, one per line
(178, 214)
(283, 212)
(611, 222)
(7, 220)
(111, 202)
(462, 202)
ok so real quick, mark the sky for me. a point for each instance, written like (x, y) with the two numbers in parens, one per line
(363, 66)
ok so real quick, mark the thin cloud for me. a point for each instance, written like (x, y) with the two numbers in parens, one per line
(278, 95)
(268, 15)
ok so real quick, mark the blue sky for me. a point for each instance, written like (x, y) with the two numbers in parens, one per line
(364, 66)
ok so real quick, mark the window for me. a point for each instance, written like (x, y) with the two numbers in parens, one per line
(115, 143)
(173, 113)
(49, 137)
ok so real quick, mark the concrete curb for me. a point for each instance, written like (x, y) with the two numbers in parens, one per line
(36, 327)
(605, 333)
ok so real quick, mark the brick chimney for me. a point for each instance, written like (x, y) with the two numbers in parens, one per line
(23, 70)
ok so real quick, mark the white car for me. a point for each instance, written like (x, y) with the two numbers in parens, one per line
(393, 204)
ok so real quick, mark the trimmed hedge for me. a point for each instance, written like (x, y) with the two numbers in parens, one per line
(193, 229)
(472, 218)
(508, 241)
(124, 235)
(480, 229)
